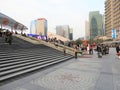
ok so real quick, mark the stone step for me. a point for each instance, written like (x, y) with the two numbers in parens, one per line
(28, 66)
(15, 58)
(3, 54)
(23, 57)
(27, 60)
(25, 64)
(18, 59)
(29, 69)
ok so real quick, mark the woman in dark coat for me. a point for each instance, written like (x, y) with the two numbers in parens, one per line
(117, 48)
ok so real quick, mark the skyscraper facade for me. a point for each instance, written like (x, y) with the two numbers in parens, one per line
(39, 27)
(33, 27)
(103, 25)
(96, 24)
(71, 34)
(63, 30)
(112, 17)
(87, 30)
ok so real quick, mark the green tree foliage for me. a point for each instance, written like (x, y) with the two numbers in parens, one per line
(78, 41)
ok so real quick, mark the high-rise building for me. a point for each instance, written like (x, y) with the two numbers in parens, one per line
(63, 30)
(33, 27)
(71, 34)
(52, 35)
(103, 25)
(112, 17)
(87, 30)
(96, 24)
(39, 27)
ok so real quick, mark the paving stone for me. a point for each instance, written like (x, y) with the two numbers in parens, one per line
(64, 79)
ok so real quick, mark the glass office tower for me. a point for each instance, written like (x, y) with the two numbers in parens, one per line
(96, 24)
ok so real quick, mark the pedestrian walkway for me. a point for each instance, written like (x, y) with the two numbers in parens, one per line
(76, 74)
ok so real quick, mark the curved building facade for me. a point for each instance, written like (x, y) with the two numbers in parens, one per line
(96, 24)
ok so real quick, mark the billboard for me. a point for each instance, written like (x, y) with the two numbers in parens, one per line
(42, 37)
(113, 34)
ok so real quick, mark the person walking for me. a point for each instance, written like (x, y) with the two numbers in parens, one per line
(6, 36)
(10, 38)
(64, 50)
(75, 51)
(90, 49)
(117, 48)
(99, 50)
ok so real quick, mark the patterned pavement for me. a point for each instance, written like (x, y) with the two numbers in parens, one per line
(116, 71)
(79, 75)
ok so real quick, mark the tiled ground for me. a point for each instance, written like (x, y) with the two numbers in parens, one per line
(76, 76)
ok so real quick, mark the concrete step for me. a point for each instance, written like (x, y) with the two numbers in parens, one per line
(25, 62)
(19, 71)
(29, 65)
(23, 57)
(15, 58)
(18, 59)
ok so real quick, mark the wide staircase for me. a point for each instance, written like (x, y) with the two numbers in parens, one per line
(22, 58)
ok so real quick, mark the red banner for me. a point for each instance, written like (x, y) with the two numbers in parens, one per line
(5, 21)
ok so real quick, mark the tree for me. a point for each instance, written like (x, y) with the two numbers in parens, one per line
(77, 42)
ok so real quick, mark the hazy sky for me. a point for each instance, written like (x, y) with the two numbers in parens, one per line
(58, 12)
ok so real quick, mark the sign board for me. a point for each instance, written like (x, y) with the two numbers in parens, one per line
(113, 34)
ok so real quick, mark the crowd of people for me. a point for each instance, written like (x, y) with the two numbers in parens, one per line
(102, 49)
(7, 35)
(82, 49)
